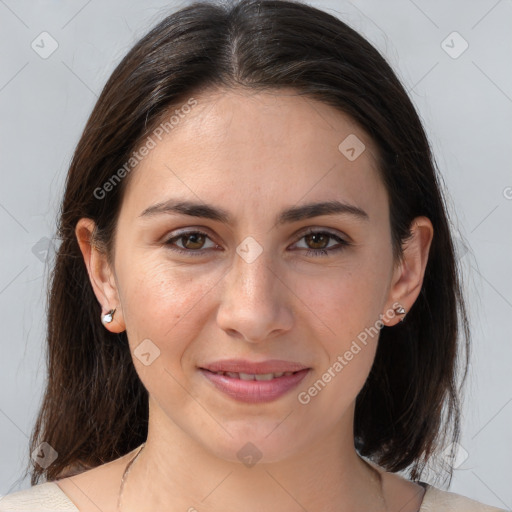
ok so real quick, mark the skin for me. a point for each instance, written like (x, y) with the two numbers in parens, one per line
(253, 154)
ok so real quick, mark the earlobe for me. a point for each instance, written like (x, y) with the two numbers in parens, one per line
(100, 276)
(106, 319)
(408, 279)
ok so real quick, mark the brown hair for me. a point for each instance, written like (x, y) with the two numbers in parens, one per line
(95, 408)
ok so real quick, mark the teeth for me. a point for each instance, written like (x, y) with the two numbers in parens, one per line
(252, 376)
(264, 376)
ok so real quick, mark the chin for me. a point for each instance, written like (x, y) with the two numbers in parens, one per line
(253, 445)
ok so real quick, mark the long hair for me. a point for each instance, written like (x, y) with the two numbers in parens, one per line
(95, 408)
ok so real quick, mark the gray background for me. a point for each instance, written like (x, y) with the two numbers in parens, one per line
(464, 99)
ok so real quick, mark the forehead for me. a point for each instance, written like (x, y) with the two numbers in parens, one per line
(258, 147)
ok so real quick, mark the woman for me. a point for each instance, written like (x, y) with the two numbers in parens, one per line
(256, 303)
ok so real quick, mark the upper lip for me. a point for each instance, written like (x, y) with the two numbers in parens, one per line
(253, 368)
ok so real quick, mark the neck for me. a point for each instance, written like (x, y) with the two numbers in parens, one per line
(173, 470)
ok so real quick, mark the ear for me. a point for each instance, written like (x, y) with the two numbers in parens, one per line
(100, 275)
(408, 275)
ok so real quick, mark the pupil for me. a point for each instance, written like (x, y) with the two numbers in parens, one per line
(194, 237)
(314, 236)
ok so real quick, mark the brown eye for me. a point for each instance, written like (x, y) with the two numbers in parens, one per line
(317, 243)
(195, 240)
(318, 240)
(192, 243)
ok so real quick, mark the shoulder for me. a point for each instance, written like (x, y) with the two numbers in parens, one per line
(45, 497)
(437, 500)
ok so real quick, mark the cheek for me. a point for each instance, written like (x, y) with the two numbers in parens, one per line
(163, 302)
(164, 308)
(164, 290)
(338, 385)
(344, 308)
(344, 300)
(345, 312)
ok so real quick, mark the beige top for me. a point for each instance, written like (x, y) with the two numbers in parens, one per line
(49, 497)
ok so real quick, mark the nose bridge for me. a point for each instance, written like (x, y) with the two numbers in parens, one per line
(252, 274)
(252, 303)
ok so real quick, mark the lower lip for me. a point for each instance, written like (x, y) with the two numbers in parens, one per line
(255, 391)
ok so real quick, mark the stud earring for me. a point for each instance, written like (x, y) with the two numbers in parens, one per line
(106, 319)
(400, 311)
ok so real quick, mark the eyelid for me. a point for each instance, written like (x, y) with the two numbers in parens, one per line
(342, 242)
(189, 231)
(310, 230)
(307, 231)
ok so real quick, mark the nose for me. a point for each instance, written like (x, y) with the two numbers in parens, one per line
(255, 301)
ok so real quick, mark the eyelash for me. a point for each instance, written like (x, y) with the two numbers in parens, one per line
(310, 252)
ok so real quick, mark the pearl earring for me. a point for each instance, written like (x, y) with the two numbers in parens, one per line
(400, 311)
(106, 319)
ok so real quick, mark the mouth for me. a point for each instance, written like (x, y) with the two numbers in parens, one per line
(253, 376)
(254, 382)
(243, 366)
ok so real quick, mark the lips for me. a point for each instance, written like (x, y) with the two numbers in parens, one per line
(254, 376)
(271, 366)
(246, 381)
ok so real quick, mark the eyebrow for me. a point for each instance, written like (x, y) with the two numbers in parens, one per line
(287, 216)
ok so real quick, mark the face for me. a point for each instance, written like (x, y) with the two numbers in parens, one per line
(252, 283)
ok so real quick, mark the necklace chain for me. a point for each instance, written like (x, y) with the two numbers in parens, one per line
(130, 464)
(125, 474)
